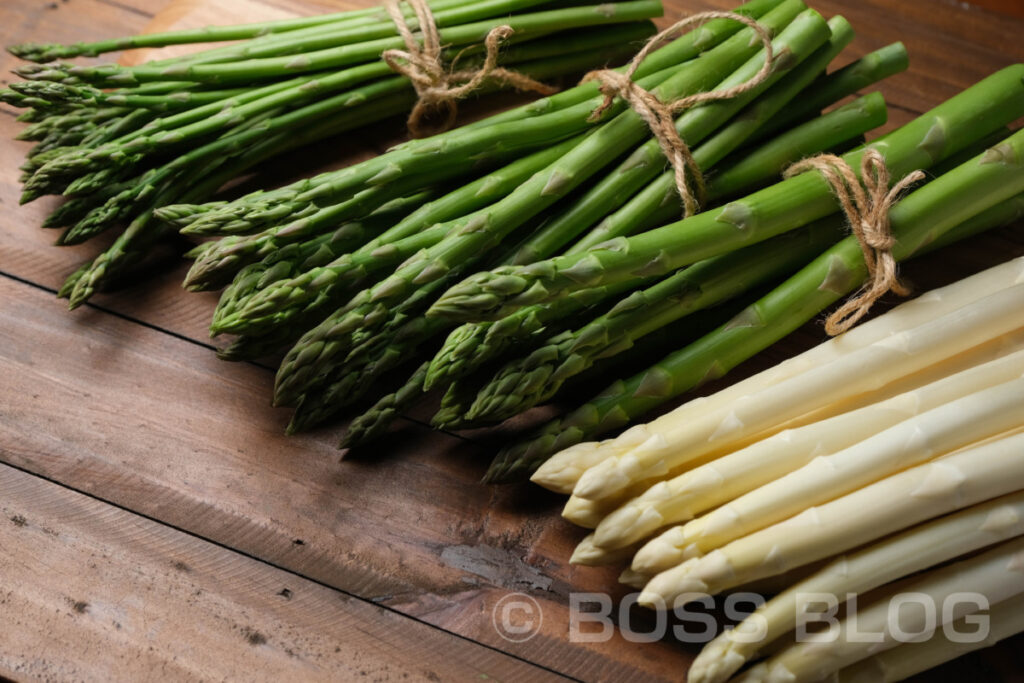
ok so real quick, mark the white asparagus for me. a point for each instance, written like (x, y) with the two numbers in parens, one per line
(860, 372)
(583, 512)
(892, 504)
(561, 472)
(997, 574)
(924, 437)
(892, 558)
(588, 554)
(706, 487)
(1005, 619)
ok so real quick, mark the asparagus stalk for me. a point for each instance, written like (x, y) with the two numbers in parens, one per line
(944, 429)
(473, 344)
(474, 234)
(522, 384)
(647, 161)
(854, 77)
(261, 68)
(724, 479)
(714, 355)
(44, 52)
(915, 221)
(281, 302)
(1006, 619)
(974, 475)
(374, 422)
(141, 234)
(904, 554)
(993, 574)
(972, 114)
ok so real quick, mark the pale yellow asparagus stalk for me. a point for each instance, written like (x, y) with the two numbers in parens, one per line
(583, 512)
(997, 574)
(863, 371)
(1005, 619)
(585, 547)
(892, 558)
(562, 472)
(892, 504)
(931, 434)
(706, 487)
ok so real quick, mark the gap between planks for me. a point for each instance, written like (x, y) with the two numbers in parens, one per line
(233, 601)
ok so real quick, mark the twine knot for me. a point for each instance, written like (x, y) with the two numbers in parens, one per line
(866, 201)
(660, 116)
(439, 89)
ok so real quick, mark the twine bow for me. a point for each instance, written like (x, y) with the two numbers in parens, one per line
(866, 202)
(659, 116)
(438, 88)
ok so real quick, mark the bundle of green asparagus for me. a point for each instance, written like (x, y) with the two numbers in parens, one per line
(343, 267)
(123, 141)
(355, 274)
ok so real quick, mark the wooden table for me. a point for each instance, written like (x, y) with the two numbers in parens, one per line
(154, 522)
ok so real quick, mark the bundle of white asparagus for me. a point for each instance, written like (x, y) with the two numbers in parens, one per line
(887, 461)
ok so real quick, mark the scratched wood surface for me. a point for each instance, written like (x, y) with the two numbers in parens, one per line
(124, 402)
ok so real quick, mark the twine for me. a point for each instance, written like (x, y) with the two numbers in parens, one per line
(436, 87)
(659, 116)
(866, 203)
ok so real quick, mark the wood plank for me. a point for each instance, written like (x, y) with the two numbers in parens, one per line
(93, 592)
(157, 425)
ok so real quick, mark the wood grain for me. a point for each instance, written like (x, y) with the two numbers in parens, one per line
(142, 415)
(92, 592)
(157, 425)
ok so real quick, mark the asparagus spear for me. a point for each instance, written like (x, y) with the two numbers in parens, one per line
(260, 68)
(712, 356)
(374, 422)
(1006, 619)
(44, 52)
(868, 514)
(278, 304)
(992, 575)
(472, 344)
(666, 58)
(795, 68)
(921, 216)
(526, 382)
(474, 234)
(972, 114)
(904, 554)
(854, 77)
(726, 478)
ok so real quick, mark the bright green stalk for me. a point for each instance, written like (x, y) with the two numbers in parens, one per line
(474, 235)
(951, 126)
(846, 123)
(469, 346)
(472, 344)
(283, 301)
(666, 60)
(253, 70)
(793, 48)
(976, 196)
(852, 78)
(298, 257)
(44, 52)
(144, 231)
(534, 378)
(375, 421)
